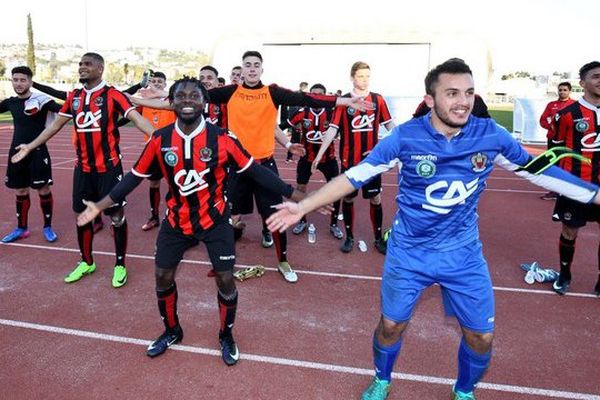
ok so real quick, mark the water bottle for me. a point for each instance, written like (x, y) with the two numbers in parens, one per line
(312, 234)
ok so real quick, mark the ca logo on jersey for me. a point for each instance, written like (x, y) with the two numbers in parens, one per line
(191, 181)
(363, 123)
(87, 121)
(455, 192)
(591, 142)
(314, 137)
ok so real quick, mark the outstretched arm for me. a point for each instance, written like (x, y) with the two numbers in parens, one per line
(142, 123)
(328, 137)
(151, 103)
(290, 213)
(282, 139)
(116, 195)
(43, 137)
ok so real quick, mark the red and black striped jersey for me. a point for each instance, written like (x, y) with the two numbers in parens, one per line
(313, 124)
(359, 129)
(195, 168)
(577, 128)
(216, 114)
(95, 113)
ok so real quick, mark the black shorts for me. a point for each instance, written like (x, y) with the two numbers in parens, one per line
(93, 186)
(171, 244)
(329, 168)
(243, 190)
(575, 214)
(34, 171)
(370, 190)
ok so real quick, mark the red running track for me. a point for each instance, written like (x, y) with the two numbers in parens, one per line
(310, 340)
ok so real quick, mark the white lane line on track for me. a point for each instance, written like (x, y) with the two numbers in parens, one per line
(299, 271)
(300, 363)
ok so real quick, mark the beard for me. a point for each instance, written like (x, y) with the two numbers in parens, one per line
(84, 80)
(446, 119)
(191, 119)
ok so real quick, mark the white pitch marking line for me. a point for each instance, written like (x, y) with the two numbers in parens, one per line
(316, 273)
(300, 363)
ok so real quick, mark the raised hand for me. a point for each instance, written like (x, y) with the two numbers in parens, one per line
(88, 214)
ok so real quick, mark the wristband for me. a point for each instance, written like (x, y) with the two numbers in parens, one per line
(288, 145)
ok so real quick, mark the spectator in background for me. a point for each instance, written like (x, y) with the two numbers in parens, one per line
(547, 120)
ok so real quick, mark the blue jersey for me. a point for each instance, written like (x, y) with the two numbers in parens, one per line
(440, 180)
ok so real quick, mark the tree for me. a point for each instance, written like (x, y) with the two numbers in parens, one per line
(126, 71)
(30, 45)
(2, 68)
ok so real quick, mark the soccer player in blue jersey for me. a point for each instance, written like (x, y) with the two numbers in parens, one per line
(446, 157)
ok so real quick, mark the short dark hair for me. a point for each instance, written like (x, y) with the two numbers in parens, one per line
(95, 56)
(221, 80)
(252, 53)
(158, 74)
(587, 68)
(210, 68)
(192, 80)
(22, 69)
(236, 67)
(451, 66)
(567, 84)
(318, 86)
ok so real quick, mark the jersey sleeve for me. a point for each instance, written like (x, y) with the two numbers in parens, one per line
(122, 103)
(66, 109)
(336, 118)
(52, 106)
(4, 106)
(147, 163)
(287, 97)
(562, 127)
(237, 155)
(544, 121)
(513, 156)
(296, 118)
(384, 156)
(384, 116)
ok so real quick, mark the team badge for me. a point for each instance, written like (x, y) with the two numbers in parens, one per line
(75, 104)
(351, 111)
(205, 154)
(216, 110)
(155, 119)
(582, 126)
(479, 162)
(425, 169)
(171, 158)
(306, 123)
(98, 101)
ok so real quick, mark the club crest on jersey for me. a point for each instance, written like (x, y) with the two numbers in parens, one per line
(479, 162)
(76, 104)
(98, 101)
(425, 169)
(306, 123)
(171, 158)
(351, 111)
(581, 125)
(217, 109)
(205, 154)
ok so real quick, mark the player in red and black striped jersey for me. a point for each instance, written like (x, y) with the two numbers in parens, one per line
(216, 114)
(359, 133)
(94, 111)
(313, 122)
(193, 156)
(577, 127)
